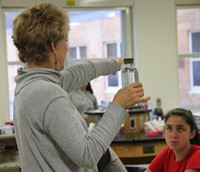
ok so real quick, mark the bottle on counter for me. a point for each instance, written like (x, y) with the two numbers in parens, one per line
(129, 72)
(158, 112)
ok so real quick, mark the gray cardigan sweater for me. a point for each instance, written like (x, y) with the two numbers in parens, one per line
(51, 135)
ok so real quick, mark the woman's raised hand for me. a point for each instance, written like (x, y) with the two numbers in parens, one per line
(130, 95)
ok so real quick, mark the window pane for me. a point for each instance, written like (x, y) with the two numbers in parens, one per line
(113, 80)
(196, 42)
(72, 52)
(196, 73)
(188, 20)
(112, 50)
(12, 56)
(189, 90)
(11, 49)
(12, 71)
(82, 52)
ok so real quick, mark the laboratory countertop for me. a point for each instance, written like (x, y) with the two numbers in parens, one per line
(130, 111)
(137, 138)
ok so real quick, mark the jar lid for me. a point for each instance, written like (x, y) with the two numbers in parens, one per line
(128, 60)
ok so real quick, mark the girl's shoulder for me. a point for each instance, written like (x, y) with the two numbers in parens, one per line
(195, 150)
(196, 147)
(193, 158)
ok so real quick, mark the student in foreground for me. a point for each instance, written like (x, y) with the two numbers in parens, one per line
(182, 153)
(51, 134)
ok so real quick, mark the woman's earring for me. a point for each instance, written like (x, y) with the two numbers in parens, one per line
(56, 64)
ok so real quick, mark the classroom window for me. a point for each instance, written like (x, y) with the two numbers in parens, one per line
(12, 58)
(188, 29)
(114, 50)
(89, 29)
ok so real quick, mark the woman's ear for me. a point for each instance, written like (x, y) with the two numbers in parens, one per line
(192, 134)
(53, 48)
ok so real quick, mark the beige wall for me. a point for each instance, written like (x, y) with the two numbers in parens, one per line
(156, 49)
(4, 112)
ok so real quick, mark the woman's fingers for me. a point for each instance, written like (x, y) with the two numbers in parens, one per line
(130, 95)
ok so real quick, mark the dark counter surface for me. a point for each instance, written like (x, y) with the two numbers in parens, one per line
(95, 112)
(102, 111)
(137, 138)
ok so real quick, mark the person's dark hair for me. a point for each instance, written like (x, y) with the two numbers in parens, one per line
(189, 119)
(89, 88)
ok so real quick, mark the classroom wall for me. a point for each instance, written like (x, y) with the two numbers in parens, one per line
(156, 49)
(154, 27)
(4, 107)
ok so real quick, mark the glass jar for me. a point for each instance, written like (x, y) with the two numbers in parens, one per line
(129, 72)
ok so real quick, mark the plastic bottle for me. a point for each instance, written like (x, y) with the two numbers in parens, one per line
(129, 72)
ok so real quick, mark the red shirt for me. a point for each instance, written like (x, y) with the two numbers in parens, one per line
(164, 161)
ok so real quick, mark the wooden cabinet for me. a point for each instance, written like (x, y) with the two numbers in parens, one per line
(135, 150)
(135, 121)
